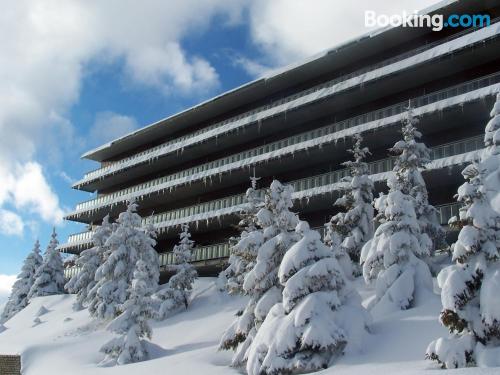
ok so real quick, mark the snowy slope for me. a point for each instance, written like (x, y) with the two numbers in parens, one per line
(187, 342)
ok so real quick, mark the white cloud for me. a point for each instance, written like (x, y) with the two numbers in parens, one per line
(32, 192)
(6, 282)
(252, 67)
(108, 126)
(10, 223)
(288, 30)
(46, 48)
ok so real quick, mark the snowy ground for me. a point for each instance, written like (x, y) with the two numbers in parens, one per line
(67, 342)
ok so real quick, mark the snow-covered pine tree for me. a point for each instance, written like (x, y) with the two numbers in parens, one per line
(393, 257)
(491, 158)
(88, 262)
(176, 294)
(261, 283)
(469, 288)
(412, 156)
(320, 316)
(18, 299)
(245, 254)
(49, 277)
(126, 245)
(243, 251)
(132, 325)
(354, 227)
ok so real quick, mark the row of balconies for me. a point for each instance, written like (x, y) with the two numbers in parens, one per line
(236, 203)
(249, 157)
(222, 250)
(258, 114)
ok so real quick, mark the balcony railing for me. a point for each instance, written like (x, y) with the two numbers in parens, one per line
(202, 171)
(236, 203)
(222, 250)
(250, 116)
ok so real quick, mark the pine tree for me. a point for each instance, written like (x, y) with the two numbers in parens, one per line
(132, 325)
(412, 157)
(354, 227)
(244, 249)
(309, 328)
(88, 262)
(176, 294)
(469, 288)
(127, 244)
(394, 256)
(261, 283)
(49, 277)
(18, 299)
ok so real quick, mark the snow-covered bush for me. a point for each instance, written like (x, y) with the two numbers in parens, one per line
(88, 262)
(243, 251)
(392, 257)
(491, 159)
(261, 282)
(320, 316)
(132, 325)
(469, 288)
(412, 156)
(18, 299)
(398, 255)
(175, 295)
(49, 277)
(354, 227)
(126, 245)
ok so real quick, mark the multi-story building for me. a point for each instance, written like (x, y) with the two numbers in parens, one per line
(295, 125)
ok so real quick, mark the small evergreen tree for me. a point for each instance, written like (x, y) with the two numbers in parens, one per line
(176, 294)
(261, 283)
(354, 227)
(18, 299)
(309, 328)
(49, 277)
(88, 262)
(243, 252)
(132, 325)
(469, 288)
(127, 244)
(412, 157)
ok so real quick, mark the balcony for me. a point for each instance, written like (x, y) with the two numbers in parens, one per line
(388, 67)
(304, 187)
(221, 251)
(307, 140)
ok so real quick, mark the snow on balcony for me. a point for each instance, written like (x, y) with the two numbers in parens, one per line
(298, 100)
(336, 132)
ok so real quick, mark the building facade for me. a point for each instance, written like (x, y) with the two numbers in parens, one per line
(295, 125)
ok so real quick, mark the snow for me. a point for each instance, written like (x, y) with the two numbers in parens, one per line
(329, 90)
(290, 150)
(187, 343)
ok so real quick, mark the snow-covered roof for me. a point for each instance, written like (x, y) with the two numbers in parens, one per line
(242, 94)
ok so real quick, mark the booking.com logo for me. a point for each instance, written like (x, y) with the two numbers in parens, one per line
(436, 21)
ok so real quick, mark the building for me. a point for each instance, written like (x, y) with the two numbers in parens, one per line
(295, 125)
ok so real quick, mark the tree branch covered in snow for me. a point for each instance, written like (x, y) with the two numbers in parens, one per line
(349, 231)
(393, 258)
(469, 288)
(261, 283)
(243, 251)
(175, 295)
(320, 315)
(127, 244)
(83, 282)
(49, 277)
(132, 324)
(18, 298)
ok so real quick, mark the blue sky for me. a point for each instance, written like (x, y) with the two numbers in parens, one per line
(76, 74)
